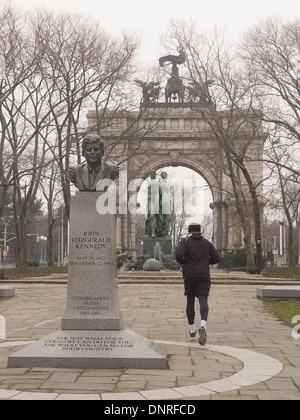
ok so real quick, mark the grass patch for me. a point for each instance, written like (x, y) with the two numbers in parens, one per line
(285, 310)
(282, 272)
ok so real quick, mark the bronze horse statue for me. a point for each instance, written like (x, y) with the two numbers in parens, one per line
(174, 90)
(199, 92)
(150, 90)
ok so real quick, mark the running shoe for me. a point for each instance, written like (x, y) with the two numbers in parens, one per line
(202, 336)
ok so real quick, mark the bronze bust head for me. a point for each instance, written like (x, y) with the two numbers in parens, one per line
(87, 175)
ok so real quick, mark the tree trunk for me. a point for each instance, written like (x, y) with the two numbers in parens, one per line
(50, 258)
(292, 261)
(242, 209)
(257, 219)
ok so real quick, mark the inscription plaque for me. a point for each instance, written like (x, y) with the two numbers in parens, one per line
(92, 350)
(92, 343)
(92, 302)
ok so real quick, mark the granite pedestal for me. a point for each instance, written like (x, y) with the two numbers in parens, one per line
(273, 293)
(6, 291)
(91, 334)
(92, 300)
(123, 349)
(149, 244)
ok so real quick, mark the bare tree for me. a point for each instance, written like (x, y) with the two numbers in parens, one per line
(284, 193)
(271, 51)
(57, 67)
(50, 186)
(18, 67)
(82, 65)
(23, 119)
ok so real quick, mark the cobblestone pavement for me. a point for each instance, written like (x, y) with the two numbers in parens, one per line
(238, 321)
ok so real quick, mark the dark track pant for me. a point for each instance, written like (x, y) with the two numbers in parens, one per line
(190, 308)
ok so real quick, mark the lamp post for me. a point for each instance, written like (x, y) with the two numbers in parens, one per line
(5, 224)
(258, 247)
(283, 250)
(43, 240)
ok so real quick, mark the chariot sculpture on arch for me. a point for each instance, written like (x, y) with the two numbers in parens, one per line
(174, 88)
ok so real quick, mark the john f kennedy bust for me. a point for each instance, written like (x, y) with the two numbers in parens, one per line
(86, 176)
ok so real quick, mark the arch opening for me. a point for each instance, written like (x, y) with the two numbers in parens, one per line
(190, 200)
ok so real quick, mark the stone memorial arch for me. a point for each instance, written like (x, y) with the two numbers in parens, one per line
(173, 134)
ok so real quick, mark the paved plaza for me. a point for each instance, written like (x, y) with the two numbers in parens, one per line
(250, 355)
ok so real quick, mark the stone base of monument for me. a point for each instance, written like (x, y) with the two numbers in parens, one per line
(123, 349)
(149, 244)
(91, 335)
(162, 253)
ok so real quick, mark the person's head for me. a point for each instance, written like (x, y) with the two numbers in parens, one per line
(153, 174)
(93, 149)
(164, 175)
(194, 228)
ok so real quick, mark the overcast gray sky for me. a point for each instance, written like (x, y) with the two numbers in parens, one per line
(150, 18)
